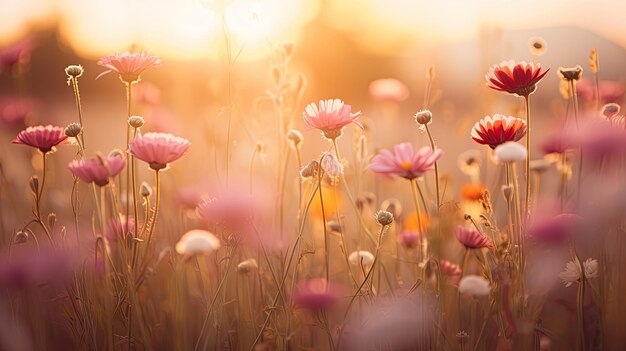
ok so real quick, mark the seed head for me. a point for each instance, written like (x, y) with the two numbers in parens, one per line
(384, 218)
(571, 73)
(73, 130)
(146, 190)
(423, 117)
(135, 121)
(74, 71)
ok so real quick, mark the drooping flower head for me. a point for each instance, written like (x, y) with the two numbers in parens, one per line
(128, 65)
(472, 238)
(44, 138)
(98, 169)
(404, 161)
(316, 294)
(515, 78)
(158, 149)
(330, 117)
(498, 129)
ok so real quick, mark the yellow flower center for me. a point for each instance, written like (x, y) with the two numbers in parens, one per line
(406, 165)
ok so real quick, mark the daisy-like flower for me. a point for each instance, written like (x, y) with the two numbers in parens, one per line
(158, 149)
(515, 78)
(128, 65)
(404, 161)
(572, 271)
(316, 294)
(472, 239)
(330, 117)
(98, 169)
(361, 258)
(197, 242)
(474, 285)
(44, 138)
(498, 129)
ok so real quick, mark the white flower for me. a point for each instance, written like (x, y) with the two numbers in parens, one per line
(510, 152)
(571, 274)
(331, 165)
(474, 285)
(364, 258)
(197, 242)
(247, 265)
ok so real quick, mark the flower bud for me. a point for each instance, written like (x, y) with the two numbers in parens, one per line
(73, 130)
(507, 191)
(247, 265)
(295, 137)
(135, 121)
(288, 48)
(21, 237)
(145, 189)
(52, 219)
(610, 110)
(384, 218)
(116, 153)
(310, 170)
(333, 226)
(34, 184)
(331, 165)
(571, 73)
(423, 117)
(392, 205)
(74, 71)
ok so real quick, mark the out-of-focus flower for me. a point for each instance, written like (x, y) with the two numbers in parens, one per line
(98, 169)
(73, 72)
(537, 46)
(572, 271)
(469, 162)
(158, 149)
(474, 285)
(496, 130)
(44, 138)
(570, 73)
(73, 130)
(610, 91)
(510, 152)
(316, 294)
(247, 266)
(147, 93)
(541, 165)
(559, 142)
(331, 165)
(388, 89)
(330, 117)
(15, 110)
(233, 209)
(404, 161)
(472, 191)
(452, 271)
(411, 223)
(120, 226)
(515, 78)
(610, 110)
(295, 137)
(128, 65)
(310, 170)
(197, 242)
(601, 138)
(29, 268)
(392, 205)
(17, 53)
(472, 239)
(361, 258)
(555, 229)
(408, 238)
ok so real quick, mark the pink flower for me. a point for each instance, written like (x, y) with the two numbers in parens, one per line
(498, 129)
(14, 54)
(44, 138)
(408, 238)
(158, 149)
(404, 162)
(316, 294)
(233, 210)
(515, 78)
(98, 169)
(388, 89)
(119, 226)
(451, 271)
(15, 109)
(330, 117)
(610, 91)
(128, 65)
(556, 229)
(472, 239)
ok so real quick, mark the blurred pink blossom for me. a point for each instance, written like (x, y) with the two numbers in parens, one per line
(388, 89)
(128, 65)
(316, 294)
(472, 239)
(404, 161)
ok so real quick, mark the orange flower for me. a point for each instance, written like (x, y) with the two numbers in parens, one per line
(411, 223)
(472, 191)
(332, 203)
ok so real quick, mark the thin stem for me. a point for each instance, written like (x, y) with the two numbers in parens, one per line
(528, 128)
(157, 178)
(74, 81)
(129, 91)
(432, 146)
(417, 210)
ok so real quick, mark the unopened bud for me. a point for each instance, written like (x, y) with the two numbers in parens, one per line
(333, 226)
(310, 170)
(423, 117)
(610, 110)
(34, 184)
(247, 265)
(331, 165)
(74, 71)
(507, 191)
(21, 237)
(384, 218)
(295, 137)
(116, 153)
(145, 190)
(73, 130)
(135, 121)
(52, 219)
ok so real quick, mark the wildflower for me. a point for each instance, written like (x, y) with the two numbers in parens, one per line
(496, 130)
(44, 138)
(570, 73)
(331, 165)
(384, 218)
(610, 91)
(472, 238)
(537, 46)
(30, 268)
(98, 169)
(310, 170)
(556, 229)
(404, 162)
(316, 294)
(73, 130)
(158, 149)
(452, 271)
(197, 242)
(515, 78)
(423, 117)
(330, 117)
(472, 191)
(469, 162)
(408, 238)
(15, 109)
(73, 72)
(510, 152)
(361, 258)
(572, 271)
(247, 265)
(474, 285)
(135, 121)
(388, 89)
(128, 65)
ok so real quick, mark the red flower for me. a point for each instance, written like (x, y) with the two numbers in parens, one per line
(498, 129)
(515, 78)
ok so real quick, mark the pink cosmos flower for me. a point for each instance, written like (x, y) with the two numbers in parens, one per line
(44, 138)
(98, 169)
(128, 65)
(404, 162)
(408, 238)
(472, 239)
(498, 129)
(556, 229)
(452, 271)
(316, 294)
(388, 89)
(515, 78)
(330, 117)
(158, 149)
